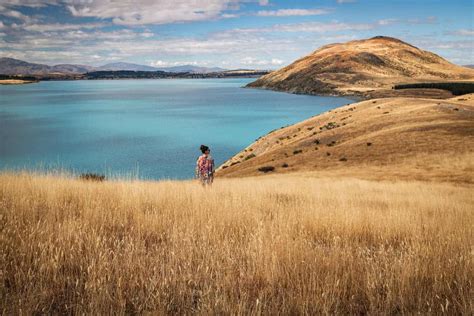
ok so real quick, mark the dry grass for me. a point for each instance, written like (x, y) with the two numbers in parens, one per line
(410, 139)
(279, 244)
(454, 168)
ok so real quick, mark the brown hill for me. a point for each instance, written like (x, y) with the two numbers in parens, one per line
(406, 138)
(363, 67)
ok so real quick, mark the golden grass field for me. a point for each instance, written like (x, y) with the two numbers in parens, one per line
(279, 244)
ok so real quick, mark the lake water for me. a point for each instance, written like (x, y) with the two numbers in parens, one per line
(150, 127)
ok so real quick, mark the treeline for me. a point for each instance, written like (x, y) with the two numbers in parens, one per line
(129, 74)
(456, 88)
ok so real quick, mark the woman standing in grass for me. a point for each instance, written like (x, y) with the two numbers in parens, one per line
(205, 166)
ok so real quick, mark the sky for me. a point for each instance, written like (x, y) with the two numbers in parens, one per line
(257, 34)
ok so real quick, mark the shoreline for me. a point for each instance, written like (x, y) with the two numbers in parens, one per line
(371, 94)
(353, 97)
(11, 82)
(18, 81)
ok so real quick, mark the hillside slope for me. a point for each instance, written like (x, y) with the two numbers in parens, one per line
(11, 66)
(362, 67)
(410, 138)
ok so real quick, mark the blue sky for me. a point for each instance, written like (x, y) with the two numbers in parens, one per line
(262, 34)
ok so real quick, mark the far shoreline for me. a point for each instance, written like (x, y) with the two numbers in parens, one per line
(9, 82)
(357, 96)
(20, 81)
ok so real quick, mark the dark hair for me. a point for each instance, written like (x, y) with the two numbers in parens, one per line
(204, 148)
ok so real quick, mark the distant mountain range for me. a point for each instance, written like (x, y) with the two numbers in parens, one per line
(136, 67)
(125, 66)
(11, 66)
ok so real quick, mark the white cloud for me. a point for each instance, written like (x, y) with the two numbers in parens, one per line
(161, 63)
(57, 26)
(30, 3)
(276, 61)
(427, 20)
(320, 27)
(147, 34)
(100, 46)
(292, 12)
(4, 11)
(255, 62)
(450, 45)
(136, 12)
(387, 21)
(308, 27)
(464, 32)
(345, 1)
(229, 16)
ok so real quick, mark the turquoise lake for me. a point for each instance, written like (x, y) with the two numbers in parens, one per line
(149, 128)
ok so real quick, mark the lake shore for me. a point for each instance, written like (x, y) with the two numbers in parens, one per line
(15, 81)
(367, 93)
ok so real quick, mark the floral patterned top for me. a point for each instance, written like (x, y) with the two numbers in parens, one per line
(204, 167)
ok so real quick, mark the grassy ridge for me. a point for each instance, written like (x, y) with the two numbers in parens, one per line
(399, 138)
(279, 244)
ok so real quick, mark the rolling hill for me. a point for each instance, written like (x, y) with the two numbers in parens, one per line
(11, 66)
(363, 67)
(408, 138)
